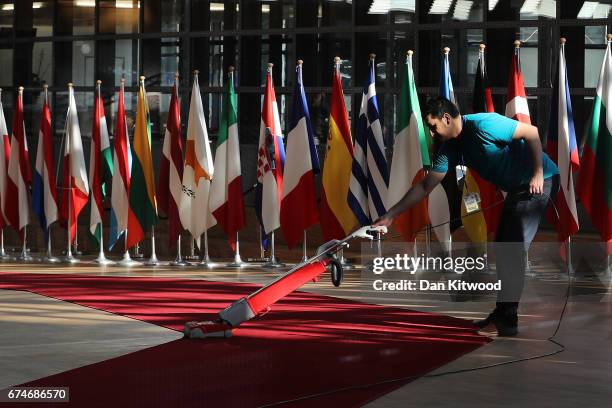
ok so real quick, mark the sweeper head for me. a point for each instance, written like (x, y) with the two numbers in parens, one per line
(205, 329)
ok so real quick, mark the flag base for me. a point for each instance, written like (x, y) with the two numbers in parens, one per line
(180, 262)
(102, 260)
(69, 259)
(49, 259)
(24, 256)
(208, 264)
(127, 261)
(237, 264)
(273, 263)
(153, 261)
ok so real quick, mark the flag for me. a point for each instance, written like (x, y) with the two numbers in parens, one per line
(142, 181)
(563, 150)
(479, 224)
(270, 162)
(197, 171)
(595, 179)
(5, 153)
(299, 203)
(410, 156)
(122, 167)
(100, 166)
(170, 188)
(74, 181)
(445, 87)
(337, 218)
(19, 177)
(445, 194)
(369, 175)
(226, 201)
(516, 99)
(44, 194)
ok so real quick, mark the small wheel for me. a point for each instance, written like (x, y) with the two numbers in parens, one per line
(336, 272)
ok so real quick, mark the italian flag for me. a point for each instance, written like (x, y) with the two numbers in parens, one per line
(410, 155)
(595, 179)
(225, 200)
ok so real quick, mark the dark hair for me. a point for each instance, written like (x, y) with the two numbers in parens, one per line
(438, 106)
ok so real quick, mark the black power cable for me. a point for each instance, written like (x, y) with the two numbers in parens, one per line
(551, 339)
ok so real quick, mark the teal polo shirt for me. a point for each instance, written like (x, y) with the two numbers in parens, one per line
(485, 144)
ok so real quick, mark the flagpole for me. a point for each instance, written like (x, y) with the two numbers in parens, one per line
(153, 261)
(3, 254)
(238, 263)
(273, 262)
(48, 258)
(69, 258)
(206, 262)
(101, 259)
(305, 255)
(179, 260)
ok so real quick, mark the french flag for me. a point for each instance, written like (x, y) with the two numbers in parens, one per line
(44, 194)
(563, 150)
(299, 201)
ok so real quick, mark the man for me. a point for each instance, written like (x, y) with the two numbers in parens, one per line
(508, 154)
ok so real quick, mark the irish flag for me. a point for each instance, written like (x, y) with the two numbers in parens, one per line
(226, 202)
(595, 179)
(336, 217)
(100, 166)
(142, 182)
(410, 155)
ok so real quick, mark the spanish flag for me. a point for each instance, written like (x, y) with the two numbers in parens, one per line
(142, 182)
(337, 218)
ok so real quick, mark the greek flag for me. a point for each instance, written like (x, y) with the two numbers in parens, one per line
(369, 177)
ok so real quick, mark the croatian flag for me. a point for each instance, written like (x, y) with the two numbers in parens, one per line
(44, 194)
(563, 150)
(299, 204)
(369, 176)
(270, 162)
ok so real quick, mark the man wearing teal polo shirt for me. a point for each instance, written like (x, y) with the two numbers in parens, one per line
(508, 154)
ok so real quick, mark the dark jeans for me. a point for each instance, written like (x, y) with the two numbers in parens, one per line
(519, 223)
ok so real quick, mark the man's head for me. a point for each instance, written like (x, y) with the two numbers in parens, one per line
(443, 119)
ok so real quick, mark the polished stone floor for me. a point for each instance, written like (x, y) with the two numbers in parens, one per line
(41, 336)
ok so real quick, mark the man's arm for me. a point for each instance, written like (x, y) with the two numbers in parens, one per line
(412, 197)
(530, 134)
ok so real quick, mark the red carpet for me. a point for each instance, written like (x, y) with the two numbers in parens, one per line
(308, 344)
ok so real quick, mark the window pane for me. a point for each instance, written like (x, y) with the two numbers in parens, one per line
(172, 13)
(42, 64)
(6, 67)
(83, 63)
(7, 10)
(534, 9)
(277, 14)
(43, 18)
(334, 13)
(276, 49)
(75, 17)
(593, 58)
(365, 14)
(160, 60)
(117, 59)
(120, 16)
(371, 43)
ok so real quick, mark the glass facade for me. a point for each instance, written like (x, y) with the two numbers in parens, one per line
(61, 41)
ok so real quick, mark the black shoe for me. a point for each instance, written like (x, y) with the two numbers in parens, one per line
(482, 323)
(505, 321)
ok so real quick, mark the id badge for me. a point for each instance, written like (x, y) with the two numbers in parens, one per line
(471, 202)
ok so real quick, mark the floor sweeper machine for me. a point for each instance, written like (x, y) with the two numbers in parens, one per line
(260, 301)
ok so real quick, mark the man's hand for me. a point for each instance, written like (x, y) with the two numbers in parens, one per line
(536, 185)
(385, 221)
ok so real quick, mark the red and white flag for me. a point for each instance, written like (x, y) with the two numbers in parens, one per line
(74, 179)
(516, 99)
(170, 188)
(270, 161)
(5, 152)
(19, 179)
